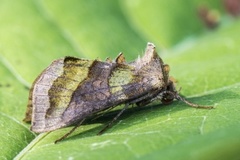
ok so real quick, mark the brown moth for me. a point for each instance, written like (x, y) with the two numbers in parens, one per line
(71, 89)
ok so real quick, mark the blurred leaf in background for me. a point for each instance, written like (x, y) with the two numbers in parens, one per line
(204, 61)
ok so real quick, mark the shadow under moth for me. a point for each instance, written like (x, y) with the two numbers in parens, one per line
(72, 89)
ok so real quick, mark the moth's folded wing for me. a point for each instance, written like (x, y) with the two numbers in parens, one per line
(52, 92)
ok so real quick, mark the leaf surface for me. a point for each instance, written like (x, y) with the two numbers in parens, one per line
(205, 63)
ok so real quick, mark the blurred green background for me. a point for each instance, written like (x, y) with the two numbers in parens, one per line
(199, 39)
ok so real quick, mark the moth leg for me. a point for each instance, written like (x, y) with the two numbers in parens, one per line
(114, 119)
(102, 113)
(146, 99)
(143, 103)
(70, 132)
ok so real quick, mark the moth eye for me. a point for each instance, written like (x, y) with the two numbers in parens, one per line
(166, 68)
(167, 98)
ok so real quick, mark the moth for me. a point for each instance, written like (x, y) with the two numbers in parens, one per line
(72, 89)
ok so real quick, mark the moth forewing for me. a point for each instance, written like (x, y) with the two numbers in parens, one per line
(41, 98)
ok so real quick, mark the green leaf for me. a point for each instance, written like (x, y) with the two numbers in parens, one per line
(14, 135)
(205, 64)
(220, 144)
(168, 22)
(209, 62)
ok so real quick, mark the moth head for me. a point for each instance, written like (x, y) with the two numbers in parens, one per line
(169, 95)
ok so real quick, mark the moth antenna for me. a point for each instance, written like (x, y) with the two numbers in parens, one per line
(178, 97)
